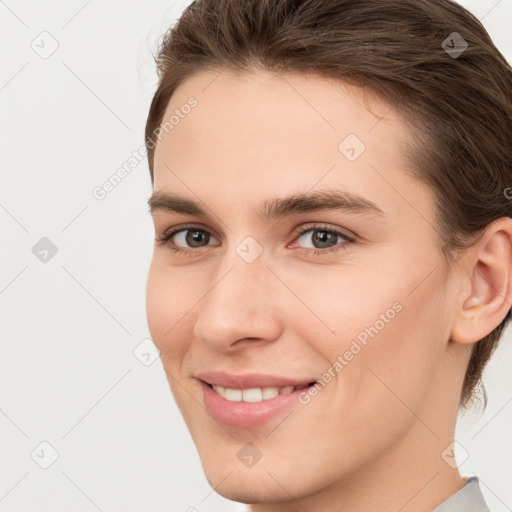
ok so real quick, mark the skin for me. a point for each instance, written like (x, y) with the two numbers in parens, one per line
(372, 439)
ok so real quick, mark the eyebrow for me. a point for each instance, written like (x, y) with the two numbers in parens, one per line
(275, 208)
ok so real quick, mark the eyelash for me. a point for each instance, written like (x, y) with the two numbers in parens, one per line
(166, 237)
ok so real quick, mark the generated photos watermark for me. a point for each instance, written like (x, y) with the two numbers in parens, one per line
(100, 192)
(356, 346)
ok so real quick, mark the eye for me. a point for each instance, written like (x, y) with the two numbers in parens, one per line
(322, 239)
(185, 239)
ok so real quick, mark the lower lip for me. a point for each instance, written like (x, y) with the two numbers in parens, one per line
(247, 414)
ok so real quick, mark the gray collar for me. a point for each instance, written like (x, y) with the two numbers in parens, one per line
(468, 499)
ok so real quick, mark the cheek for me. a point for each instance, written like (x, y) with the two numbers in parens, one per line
(398, 340)
(378, 317)
(390, 342)
(168, 306)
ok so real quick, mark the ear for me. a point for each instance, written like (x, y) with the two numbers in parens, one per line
(487, 289)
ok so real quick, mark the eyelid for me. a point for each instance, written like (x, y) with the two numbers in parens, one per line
(313, 226)
(348, 236)
(303, 228)
(169, 233)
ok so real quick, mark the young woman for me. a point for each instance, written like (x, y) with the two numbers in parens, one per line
(332, 266)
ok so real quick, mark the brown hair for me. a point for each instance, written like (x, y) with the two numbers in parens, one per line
(458, 107)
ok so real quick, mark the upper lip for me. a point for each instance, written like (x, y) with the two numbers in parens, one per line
(250, 380)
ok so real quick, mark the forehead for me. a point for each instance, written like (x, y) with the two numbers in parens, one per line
(255, 107)
(262, 132)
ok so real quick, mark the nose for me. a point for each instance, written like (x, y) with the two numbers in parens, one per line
(242, 306)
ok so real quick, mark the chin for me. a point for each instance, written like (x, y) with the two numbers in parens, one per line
(272, 479)
(246, 485)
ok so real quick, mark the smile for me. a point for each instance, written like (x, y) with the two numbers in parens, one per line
(254, 394)
(251, 400)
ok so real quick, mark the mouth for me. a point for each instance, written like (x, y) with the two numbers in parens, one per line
(250, 401)
(256, 394)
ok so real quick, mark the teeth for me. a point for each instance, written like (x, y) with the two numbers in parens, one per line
(234, 395)
(269, 393)
(252, 394)
(220, 390)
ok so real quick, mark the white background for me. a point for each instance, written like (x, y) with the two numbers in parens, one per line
(69, 326)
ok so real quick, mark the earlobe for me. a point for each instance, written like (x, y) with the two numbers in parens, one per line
(487, 296)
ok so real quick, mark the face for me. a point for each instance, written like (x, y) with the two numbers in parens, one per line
(296, 299)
